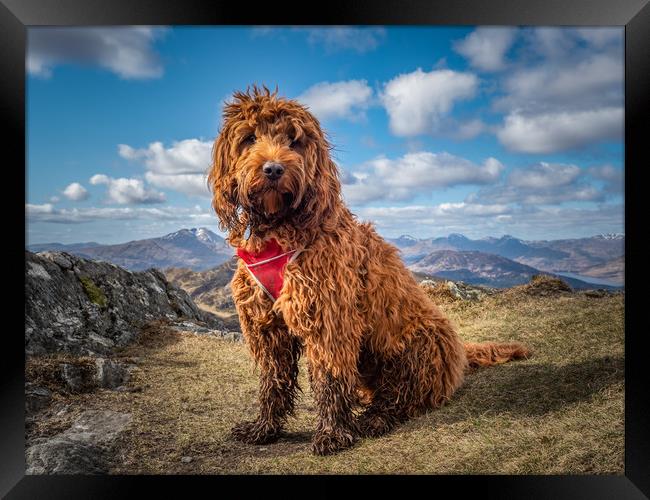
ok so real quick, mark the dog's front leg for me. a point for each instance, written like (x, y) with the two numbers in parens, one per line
(276, 353)
(335, 397)
(320, 305)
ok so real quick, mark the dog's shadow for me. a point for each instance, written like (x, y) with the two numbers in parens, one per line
(529, 389)
(517, 389)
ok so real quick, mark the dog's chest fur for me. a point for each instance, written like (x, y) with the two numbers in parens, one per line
(323, 281)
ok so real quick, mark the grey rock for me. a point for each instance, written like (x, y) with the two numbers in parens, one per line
(186, 460)
(78, 378)
(461, 290)
(111, 374)
(85, 448)
(85, 307)
(453, 289)
(124, 388)
(99, 427)
(232, 336)
(188, 326)
(464, 292)
(59, 258)
(62, 456)
(36, 398)
(64, 409)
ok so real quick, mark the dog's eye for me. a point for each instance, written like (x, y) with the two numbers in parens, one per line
(250, 139)
(294, 144)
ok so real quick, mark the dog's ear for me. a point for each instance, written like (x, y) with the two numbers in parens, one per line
(222, 184)
(325, 198)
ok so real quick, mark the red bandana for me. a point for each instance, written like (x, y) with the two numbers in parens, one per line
(267, 266)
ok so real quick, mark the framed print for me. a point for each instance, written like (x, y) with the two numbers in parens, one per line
(381, 243)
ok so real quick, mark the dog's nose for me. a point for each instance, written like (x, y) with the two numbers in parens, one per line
(273, 170)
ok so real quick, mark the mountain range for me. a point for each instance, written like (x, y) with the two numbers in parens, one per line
(600, 256)
(479, 268)
(196, 249)
(498, 262)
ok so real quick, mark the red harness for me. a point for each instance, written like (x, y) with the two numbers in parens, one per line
(267, 266)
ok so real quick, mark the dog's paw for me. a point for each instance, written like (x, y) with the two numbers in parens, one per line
(332, 441)
(371, 424)
(255, 432)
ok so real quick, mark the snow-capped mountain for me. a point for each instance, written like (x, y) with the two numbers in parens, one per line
(195, 248)
(611, 236)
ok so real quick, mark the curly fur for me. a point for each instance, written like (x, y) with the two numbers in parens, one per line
(372, 338)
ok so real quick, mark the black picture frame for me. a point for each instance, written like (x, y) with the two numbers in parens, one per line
(17, 15)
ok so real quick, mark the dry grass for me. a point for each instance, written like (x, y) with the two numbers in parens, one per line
(560, 412)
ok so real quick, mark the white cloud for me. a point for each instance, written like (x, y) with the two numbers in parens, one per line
(417, 101)
(614, 178)
(554, 43)
(181, 167)
(601, 36)
(75, 192)
(559, 131)
(31, 209)
(430, 220)
(184, 215)
(565, 92)
(511, 194)
(189, 184)
(544, 175)
(189, 156)
(541, 184)
(347, 99)
(420, 212)
(55, 199)
(125, 191)
(415, 173)
(99, 179)
(486, 47)
(593, 81)
(126, 51)
(479, 220)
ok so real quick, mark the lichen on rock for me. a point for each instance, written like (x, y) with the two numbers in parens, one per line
(94, 293)
(87, 307)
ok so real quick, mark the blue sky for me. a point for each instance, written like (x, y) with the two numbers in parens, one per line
(482, 131)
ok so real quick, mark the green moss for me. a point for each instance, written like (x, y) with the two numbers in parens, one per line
(93, 292)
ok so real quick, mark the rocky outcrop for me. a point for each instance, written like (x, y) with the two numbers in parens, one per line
(449, 291)
(85, 448)
(86, 307)
(541, 285)
(86, 377)
(36, 398)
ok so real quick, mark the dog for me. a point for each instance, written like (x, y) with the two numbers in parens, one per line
(312, 280)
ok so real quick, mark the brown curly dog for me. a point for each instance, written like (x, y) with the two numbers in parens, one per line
(373, 340)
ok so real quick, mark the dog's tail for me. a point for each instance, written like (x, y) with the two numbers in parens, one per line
(494, 353)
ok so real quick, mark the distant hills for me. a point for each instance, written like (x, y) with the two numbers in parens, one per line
(196, 249)
(600, 256)
(479, 268)
(498, 262)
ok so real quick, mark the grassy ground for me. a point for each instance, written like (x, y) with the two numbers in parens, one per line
(560, 412)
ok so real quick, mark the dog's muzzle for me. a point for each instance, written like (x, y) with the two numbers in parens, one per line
(273, 170)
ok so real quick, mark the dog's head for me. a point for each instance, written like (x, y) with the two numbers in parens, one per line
(271, 165)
